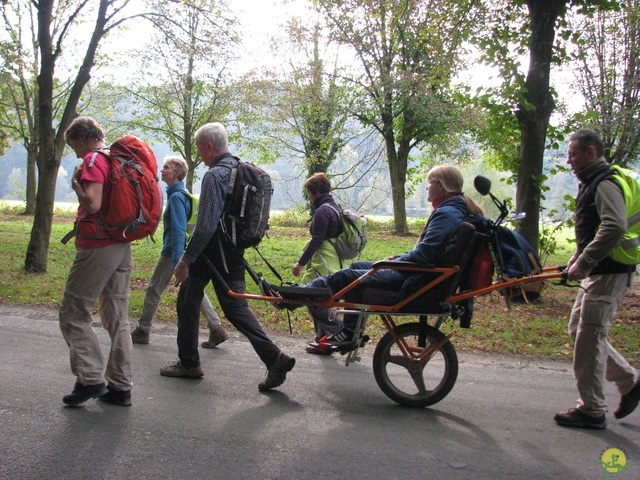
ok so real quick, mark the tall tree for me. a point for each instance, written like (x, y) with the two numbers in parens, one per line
(188, 58)
(55, 20)
(517, 28)
(18, 110)
(303, 107)
(408, 53)
(608, 52)
(534, 111)
(323, 118)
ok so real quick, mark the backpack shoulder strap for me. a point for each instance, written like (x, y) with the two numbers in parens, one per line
(186, 194)
(338, 210)
(227, 160)
(94, 155)
(599, 177)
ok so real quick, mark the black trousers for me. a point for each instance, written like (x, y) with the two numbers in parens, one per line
(236, 310)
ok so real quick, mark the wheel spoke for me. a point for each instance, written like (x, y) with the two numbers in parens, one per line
(418, 379)
(400, 360)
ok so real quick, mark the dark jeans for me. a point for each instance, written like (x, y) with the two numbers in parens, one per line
(236, 310)
(387, 279)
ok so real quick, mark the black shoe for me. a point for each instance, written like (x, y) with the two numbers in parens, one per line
(628, 402)
(576, 418)
(139, 336)
(342, 336)
(117, 397)
(82, 393)
(277, 373)
(319, 349)
(342, 341)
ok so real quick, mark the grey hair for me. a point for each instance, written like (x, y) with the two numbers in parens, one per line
(179, 165)
(214, 133)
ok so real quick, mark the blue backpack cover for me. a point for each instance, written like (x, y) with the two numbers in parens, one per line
(516, 256)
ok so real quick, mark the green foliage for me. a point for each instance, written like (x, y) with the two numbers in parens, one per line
(407, 55)
(608, 74)
(299, 217)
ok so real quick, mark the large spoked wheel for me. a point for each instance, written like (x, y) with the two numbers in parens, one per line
(415, 382)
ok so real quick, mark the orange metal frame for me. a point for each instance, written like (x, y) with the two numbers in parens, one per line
(444, 273)
(415, 356)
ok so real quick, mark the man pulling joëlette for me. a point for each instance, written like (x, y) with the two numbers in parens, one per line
(600, 223)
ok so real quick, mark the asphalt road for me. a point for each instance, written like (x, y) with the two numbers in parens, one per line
(326, 421)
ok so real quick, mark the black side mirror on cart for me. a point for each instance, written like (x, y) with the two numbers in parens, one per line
(483, 187)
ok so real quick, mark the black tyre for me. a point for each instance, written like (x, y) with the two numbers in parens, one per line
(415, 383)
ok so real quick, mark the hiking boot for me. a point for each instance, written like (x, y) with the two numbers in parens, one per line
(139, 336)
(277, 373)
(576, 418)
(82, 393)
(215, 338)
(342, 336)
(342, 341)
(628, 402)
(176, 369)
(117, 397)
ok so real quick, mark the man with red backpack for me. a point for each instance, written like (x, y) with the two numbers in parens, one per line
(101, 269)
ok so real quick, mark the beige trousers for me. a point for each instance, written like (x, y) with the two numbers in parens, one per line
(102, 273)
(594, 358)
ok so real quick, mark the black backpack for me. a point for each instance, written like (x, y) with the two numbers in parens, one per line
(246, 210)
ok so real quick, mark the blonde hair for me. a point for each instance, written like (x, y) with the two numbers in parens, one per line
(450, 177)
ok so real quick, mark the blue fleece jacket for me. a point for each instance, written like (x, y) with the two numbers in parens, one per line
(442, 222)
(175, 222)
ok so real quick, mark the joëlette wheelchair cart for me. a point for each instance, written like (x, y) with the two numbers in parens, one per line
(415, 364)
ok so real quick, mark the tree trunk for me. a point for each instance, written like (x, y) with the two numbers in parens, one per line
(38, 248)
(51, 144)
(398, 176)
(32, 180)
(533, 115)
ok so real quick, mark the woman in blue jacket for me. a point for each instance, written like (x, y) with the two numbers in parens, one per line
(450, 208)
(175, 220)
